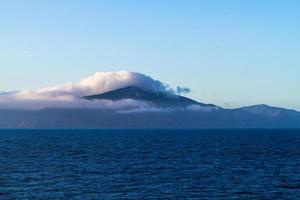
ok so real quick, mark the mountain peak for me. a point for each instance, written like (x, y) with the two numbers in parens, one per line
(156, 98)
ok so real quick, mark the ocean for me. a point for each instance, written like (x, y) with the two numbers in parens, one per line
(150, 164)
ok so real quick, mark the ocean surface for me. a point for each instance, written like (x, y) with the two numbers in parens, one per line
(149, 164)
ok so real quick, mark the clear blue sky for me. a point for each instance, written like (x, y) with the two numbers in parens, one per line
(230, 53)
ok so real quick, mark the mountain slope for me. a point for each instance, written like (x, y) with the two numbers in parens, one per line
(258, 116)
(158, 99)
(97, 118)
(268, 110)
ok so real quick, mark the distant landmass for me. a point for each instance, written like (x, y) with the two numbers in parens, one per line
(166, 110)
(155, 98)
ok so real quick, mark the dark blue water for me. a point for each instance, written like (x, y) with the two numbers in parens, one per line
(140, 164)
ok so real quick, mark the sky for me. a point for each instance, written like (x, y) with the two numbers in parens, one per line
(230, 53)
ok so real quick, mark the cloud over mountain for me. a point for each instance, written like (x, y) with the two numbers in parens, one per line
(69, 94)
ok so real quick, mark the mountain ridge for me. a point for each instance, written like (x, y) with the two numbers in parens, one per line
(156, 98)
(176, 113)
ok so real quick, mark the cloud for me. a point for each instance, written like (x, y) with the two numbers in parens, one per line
(182, 90)
(126, 104)
(69, 94)
(144, 109)
(199, 108)
(100, 82)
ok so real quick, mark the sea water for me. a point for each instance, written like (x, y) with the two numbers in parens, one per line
(149, 164)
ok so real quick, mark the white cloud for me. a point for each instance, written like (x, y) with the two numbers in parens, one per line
(146, 109)
(69, 94)
(102, 82)
(200, 108)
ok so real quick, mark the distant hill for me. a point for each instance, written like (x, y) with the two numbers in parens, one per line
(97, 118)
(268, 110)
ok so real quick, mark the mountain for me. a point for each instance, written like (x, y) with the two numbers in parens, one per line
(98, 118)
(154, 98)
(176, 112)
(268, 110)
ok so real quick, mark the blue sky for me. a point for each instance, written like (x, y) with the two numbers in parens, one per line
(230, 53)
